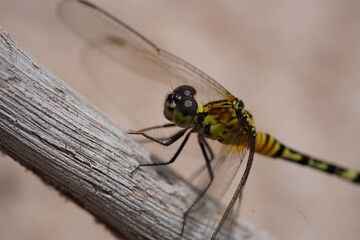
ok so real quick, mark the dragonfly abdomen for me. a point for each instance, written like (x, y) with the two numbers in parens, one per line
(269, 146)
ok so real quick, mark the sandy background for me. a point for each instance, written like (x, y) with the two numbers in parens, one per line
(295, 64)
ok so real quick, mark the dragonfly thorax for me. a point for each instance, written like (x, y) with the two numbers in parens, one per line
(181, 107)
(221, 120)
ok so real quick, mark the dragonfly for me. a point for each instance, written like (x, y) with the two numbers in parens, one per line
(195, 104)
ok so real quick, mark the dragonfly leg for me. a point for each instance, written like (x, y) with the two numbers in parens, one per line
(171, 141)
(204, 147)
(203, 167)
(208, 148)
(153, 127)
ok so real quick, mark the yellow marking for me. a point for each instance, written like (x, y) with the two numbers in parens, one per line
(290, 155)
(232, 123)
(269, 144)
(181, 120)
(200, 108)
(216, 129)
(210, 120)
(274, 149)
(224, 124)
(267, 148)
(171, 105)
(260, 142)
(348, 174)
(318, 165)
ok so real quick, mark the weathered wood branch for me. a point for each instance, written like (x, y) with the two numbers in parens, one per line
(51, 130)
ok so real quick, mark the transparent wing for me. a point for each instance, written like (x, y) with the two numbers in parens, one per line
(225, 165)
(137, 75)
(125, 63)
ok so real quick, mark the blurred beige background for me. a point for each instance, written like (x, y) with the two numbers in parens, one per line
(295, 64)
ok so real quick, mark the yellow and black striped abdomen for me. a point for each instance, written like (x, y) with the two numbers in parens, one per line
(269, 146)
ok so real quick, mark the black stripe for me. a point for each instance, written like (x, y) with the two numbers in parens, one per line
(225, 103)
(357, 179)
(271, 147)
(265, 143)
(304, 160)
(207, 129)
(331, 168)
(231, 119)
(279, 152)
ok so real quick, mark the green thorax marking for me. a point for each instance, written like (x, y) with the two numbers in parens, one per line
(220, 120)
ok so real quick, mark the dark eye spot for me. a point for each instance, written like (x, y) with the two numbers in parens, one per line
(187, 106)
(188, 103)
(185, 90)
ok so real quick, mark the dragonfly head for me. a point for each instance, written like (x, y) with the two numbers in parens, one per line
(180, 106)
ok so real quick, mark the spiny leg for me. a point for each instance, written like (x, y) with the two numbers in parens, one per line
(153, 127)
(162, 139)
(203, 146)
(171, 141)
(208, 148)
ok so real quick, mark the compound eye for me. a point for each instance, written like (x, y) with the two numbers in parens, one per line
(170, 105)
(188, 106)
(171, 101)
(185, 90)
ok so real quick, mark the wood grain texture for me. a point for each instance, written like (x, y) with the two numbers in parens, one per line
(52, 131)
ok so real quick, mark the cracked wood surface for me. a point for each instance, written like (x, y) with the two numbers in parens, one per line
(52, 131)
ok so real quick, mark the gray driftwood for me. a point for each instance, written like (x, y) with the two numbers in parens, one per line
(50, 129)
